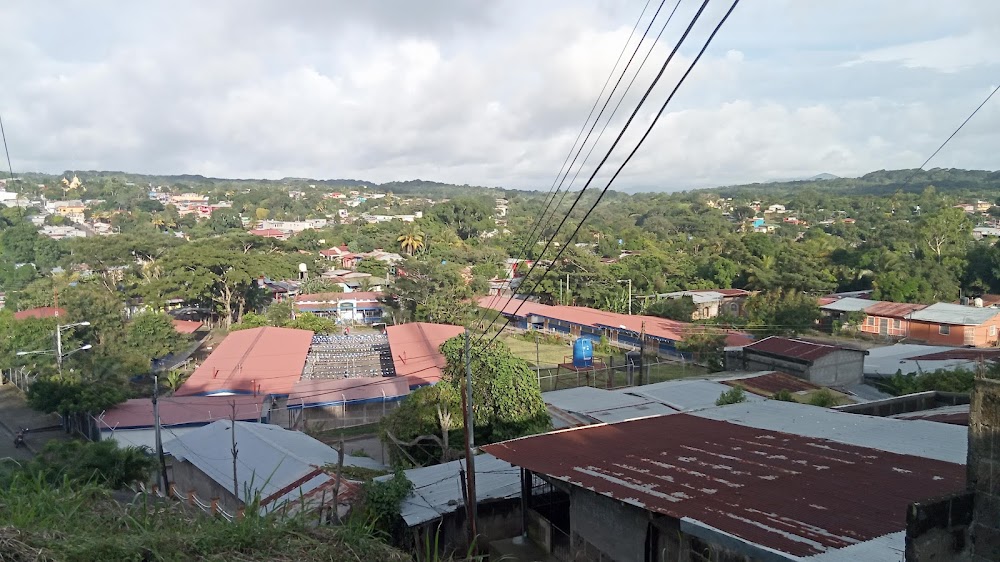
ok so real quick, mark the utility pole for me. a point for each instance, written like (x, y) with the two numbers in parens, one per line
(470, 459)
(59, 348)
(159, 438)
(232, 430)
(538, 363)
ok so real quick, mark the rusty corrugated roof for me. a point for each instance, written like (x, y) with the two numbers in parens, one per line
(771, 383)
(415, 353)
(795, 348)
(790, 493)
(887, 309)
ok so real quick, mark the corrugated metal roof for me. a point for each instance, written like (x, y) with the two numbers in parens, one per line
(893, 309)
(954, 314)
(885, 361)
(180, 410)
(795, 349)
(596, 405)
(314, 392)
(848, 304)
(770, 382)
(415, 353)
(958, 415)
(922, 439)
(40, 312)
(684, 394)
(887, 548)
(783, 491)
(264, 360)
(270, 459)
(437, 490)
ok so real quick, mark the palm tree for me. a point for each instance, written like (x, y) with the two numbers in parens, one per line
(174, 380)
(411, 240)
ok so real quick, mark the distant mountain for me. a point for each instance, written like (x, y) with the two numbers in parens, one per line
(823, 176)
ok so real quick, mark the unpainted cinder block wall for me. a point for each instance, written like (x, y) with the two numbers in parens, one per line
(984, 470)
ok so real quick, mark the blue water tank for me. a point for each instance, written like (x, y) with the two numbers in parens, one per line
(583, 353)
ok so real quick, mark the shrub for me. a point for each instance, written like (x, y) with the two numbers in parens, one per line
(784, 395)
(734, 395)
(823, 398)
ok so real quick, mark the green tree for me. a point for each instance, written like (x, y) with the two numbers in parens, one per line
(308, 321)
(782, 312)
(152, 334)
(507, 403)
(279, 313)
(707, 346)
(680, 309)
(411, 240)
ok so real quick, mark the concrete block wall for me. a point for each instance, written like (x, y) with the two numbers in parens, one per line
(983, 469)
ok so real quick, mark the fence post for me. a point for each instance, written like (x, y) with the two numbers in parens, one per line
(190, 497)
(215, 506)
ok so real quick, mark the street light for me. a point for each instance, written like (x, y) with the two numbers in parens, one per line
(58, 350)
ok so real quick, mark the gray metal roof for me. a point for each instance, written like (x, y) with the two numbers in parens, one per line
(597, 405)
(269, 458)
(927, 439)
(437, 490)
(885, 361)
(887, 548)
(956, 314)
(848, 304)
(684, 394)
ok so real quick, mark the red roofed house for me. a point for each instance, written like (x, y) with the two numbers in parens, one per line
(41, 312)
(345, 402)
(270, 233)
(132, 423)
(186, 326)
(261, 361)
(415, 353)
(818, 363)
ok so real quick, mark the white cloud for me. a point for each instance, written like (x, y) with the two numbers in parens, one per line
(487, 96)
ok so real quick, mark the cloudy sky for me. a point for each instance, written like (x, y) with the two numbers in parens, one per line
(492, 93)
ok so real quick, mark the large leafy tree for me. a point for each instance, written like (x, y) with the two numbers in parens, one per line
(469, 216)
(153, 335)
(782, 312)
(506, 403)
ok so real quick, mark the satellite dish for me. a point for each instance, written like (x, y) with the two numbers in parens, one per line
(303, 268)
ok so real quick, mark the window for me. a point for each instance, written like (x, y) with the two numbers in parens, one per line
(897, 324)
(871, 320)
(944, 330)
(993, 331)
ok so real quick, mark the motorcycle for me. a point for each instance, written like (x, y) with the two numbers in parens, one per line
(19, 439)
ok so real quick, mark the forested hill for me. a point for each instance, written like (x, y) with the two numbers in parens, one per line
(952, 181)
(199, 183)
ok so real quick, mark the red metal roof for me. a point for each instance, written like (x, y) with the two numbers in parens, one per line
(328, 391)
(186, 326)
(794, 494)
(773, 382)
(181, 410)
(415, 353)
(653, 325)
(887, 309)
(264, 360)
(41, 312)
(796, 349)
(970, 354)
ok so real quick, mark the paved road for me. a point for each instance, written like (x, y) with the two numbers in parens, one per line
(7, 449)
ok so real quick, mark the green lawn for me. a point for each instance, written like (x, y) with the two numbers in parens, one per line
(548, 354)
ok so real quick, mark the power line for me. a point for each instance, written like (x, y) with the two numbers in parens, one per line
(955, 132)
(531, 239)
(610, 150)
(641, 140)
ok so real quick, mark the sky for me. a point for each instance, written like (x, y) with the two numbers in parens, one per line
(495, 93)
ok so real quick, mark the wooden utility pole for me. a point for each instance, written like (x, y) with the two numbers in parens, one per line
(159, 439)
(470, 459)
(232, 430)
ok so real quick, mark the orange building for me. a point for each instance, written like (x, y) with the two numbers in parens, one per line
(955, 324)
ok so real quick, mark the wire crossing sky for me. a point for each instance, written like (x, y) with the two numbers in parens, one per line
(488, 93)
